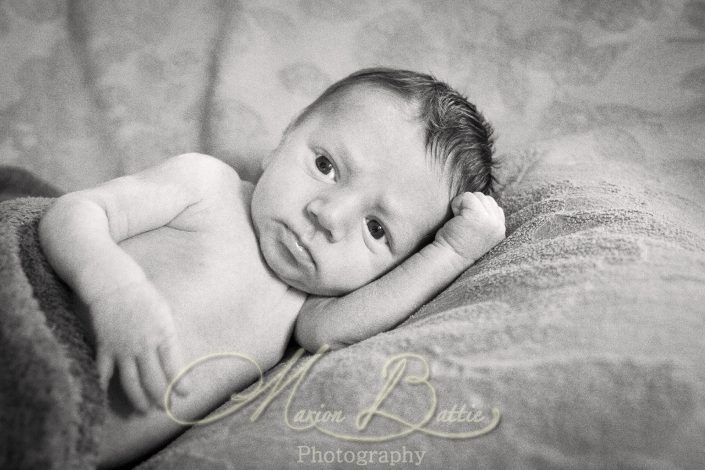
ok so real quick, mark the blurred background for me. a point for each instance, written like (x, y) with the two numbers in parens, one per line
(90, 90)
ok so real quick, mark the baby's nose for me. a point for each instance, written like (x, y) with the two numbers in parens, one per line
(332, 216)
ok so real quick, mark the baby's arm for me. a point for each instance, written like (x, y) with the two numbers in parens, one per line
(131, 320)
(477, 226)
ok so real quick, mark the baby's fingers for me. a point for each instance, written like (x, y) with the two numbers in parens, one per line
(492, 207)
(172, 362)
(152, 377)
(488, 202)
(106, 367)
(500, 215)
(131, 384)
(468, 203)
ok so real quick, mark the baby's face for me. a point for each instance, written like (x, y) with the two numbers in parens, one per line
(348, 195)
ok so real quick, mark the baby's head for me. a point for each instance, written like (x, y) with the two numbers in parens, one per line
(365, 175)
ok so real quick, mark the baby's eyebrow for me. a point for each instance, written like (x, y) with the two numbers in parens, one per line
(389, 207)
(354, 164)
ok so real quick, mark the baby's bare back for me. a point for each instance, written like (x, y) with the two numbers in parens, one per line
(207, 264)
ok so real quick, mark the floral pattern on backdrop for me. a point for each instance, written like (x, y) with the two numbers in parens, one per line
(93, 90)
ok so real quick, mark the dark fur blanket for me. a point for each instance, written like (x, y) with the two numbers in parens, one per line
(51, 407)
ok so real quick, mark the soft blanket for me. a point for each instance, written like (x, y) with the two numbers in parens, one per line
(51, 406)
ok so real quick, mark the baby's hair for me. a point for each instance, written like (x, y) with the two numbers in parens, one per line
(458, 137)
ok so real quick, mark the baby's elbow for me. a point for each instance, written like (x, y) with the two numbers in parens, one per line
(334, 345)
(306, 339)
(318, 327)
(67, 216)
(52, 230)
(315, 343)
(69, 208)
(54, 218)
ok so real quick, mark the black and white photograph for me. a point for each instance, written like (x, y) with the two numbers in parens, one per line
(341, 234)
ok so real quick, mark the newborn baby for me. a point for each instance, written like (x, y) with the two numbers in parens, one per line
(372, 203)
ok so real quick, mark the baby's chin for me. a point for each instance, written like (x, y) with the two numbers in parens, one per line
(293, 277)
(313, 286)
(307, 284)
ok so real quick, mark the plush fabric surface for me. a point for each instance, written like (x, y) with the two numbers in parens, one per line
(16, 182)
(50, 401)
(584, 328)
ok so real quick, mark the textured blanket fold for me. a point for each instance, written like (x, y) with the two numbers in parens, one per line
(51, 406)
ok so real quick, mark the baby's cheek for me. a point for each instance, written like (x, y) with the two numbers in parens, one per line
(335, 281)
(365, 270)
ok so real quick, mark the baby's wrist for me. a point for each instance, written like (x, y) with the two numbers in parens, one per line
(443, 252)
(105, 276)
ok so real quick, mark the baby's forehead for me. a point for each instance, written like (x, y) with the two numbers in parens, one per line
(362, 97)
(373, 118)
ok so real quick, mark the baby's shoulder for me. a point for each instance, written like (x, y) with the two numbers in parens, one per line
(222, 194)
(207, 171)
(216, 178)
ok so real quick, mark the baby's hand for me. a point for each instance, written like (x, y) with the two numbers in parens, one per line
(477, 226)
(135, 330)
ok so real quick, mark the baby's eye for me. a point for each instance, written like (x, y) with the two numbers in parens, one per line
(325, 166)
(376, 230)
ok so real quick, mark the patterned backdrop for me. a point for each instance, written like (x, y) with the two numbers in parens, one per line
(93, 90)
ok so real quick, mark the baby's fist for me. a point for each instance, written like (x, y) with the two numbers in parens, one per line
(477, 226)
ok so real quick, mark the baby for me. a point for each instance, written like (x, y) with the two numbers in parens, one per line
(372, 203)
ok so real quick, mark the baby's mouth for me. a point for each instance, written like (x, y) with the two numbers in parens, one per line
(300, 252)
